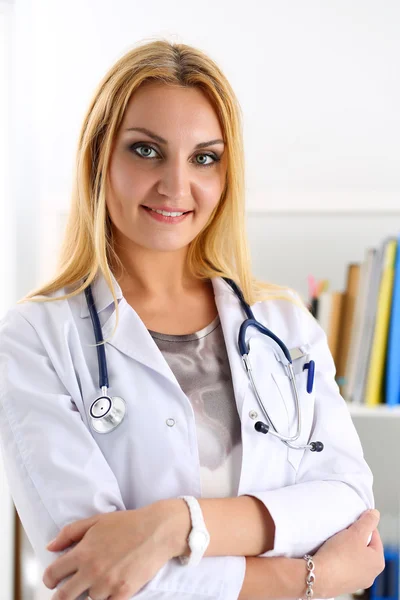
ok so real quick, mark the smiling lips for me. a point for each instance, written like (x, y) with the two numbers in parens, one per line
(172, 216)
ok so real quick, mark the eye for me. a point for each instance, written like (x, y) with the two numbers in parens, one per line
(213, 156)
(145, 150)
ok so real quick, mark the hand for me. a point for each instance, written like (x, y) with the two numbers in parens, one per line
(117, 553)
(346, 562)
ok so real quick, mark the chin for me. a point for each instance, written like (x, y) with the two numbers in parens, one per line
(171, 247)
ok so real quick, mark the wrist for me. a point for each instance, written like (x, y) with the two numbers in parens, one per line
(284, 576)
(319, 586)
(177, 526)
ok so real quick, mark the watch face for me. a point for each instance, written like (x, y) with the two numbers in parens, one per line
(199, 539)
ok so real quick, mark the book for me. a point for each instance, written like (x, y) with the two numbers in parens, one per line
(347, 321)
(367, 332)
(334, 324)
(378, 353)
(330, 305)
(324, 310)
(392, 376)
(358, 325)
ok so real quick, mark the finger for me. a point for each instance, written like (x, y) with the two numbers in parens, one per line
(123, 594)
(369, 514)
(367, 521)
(64, 565)
(361, 518)
(73, 532)
(74, 587)
(120, 596)
(376, 542)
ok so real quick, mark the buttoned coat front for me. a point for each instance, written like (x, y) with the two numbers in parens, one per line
(60, 470)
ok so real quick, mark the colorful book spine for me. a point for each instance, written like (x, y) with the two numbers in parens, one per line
(378, 353)
(393, 353)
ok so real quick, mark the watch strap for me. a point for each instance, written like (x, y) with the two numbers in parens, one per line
(198, 526)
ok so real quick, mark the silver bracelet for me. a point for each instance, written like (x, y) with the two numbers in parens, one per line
(310, 577)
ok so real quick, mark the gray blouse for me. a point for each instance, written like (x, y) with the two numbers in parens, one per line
(200, 364)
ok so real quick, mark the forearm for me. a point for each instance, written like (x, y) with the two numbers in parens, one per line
(277, 577)
(239, 526)
(242, 526)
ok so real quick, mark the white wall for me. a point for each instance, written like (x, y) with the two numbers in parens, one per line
(316, 81)
(319, 89)
(7, 213)
(286, 247)
(7, 274)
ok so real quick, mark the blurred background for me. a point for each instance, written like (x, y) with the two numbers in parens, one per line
(318, 83)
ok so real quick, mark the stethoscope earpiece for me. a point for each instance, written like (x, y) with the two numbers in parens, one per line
(313, 446)
(261, 427)
(316, 446)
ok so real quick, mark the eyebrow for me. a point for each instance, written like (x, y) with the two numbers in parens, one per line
(161, 140)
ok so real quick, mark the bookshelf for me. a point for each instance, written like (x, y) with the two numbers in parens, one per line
(379, 411)
(378, 428)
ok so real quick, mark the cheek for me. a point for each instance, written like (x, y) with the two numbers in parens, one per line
(127, 186)
(209, 191)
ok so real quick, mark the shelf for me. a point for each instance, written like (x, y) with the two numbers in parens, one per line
(381, 410)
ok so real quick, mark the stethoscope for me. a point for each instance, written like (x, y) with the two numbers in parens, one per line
(107, 413)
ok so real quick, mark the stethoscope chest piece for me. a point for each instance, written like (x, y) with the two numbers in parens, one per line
(107, 413)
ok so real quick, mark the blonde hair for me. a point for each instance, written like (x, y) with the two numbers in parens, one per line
(221, 248)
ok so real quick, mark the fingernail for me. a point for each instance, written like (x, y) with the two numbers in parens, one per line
(50, 543)
(375, 512)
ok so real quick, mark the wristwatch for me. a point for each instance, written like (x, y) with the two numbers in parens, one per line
(199, 538)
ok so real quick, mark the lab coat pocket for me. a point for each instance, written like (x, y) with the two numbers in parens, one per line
(306, 403)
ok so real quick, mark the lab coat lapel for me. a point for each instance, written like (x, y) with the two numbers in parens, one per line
(131, 336)
(133, 339)
(232, 316)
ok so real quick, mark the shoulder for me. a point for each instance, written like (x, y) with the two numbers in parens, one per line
(297, 327)
(286, 313)
(37, 318)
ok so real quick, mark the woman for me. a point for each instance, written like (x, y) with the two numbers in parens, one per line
(154, 246)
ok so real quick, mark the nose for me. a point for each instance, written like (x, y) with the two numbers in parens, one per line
(175, 179)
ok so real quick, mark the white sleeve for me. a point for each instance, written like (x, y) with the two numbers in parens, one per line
(332, 487)
(57, 473)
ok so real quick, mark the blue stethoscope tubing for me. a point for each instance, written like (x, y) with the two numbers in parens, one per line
(286, 359)
(107, 413)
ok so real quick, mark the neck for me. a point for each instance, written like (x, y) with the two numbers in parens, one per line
(150, 274)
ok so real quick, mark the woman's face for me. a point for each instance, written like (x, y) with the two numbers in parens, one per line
(162, 168)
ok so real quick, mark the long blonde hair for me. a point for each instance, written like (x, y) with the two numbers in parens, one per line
(221, 248)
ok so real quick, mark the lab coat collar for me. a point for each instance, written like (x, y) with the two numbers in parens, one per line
(140, 346)
(103, 297)
(101, 294)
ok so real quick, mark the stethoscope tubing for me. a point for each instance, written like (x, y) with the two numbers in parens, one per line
(114, 415)
(101, 353)
(251, 321)
(263, 410)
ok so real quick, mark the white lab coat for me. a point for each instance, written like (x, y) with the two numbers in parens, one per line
(60, 470)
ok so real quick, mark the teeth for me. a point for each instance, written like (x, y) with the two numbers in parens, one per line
(167, 214)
